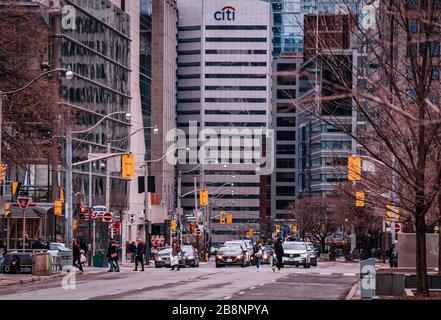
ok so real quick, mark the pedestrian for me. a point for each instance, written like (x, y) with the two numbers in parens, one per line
(114, 256)
(392, 254)
(3, 251)
(139, 251)
(257, 253)
(38, 244)
(278, 250)
(15, 264)
(109, 255)
(174, 258)
(132, 250)
(76, 253)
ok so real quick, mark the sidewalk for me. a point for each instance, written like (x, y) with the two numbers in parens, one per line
(14, 279)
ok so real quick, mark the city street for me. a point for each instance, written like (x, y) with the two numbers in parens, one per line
(330, 280)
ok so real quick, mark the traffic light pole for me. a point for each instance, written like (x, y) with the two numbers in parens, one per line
(147, 215)
(69, 191)
(197, 214)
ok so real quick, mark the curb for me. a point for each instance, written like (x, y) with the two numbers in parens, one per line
(352, 292)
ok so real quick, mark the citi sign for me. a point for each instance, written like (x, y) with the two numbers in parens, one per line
(227, 13)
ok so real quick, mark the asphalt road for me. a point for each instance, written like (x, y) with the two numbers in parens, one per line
(327, 281)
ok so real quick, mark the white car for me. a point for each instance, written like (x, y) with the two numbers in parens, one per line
(296, 254)
(248, 246)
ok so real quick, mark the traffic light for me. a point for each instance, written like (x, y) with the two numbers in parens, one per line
(277, 228)
(173, 225)
(203, 198)
(354, 168)
(359, 199)
(15, 188)
(58, 208)
(249, 233)
(6, 211)
(75, 224)
(222, 217)
(230, 218)
(294, 229)
(128, 165)
(3, 168)
(84, 214)
(389, 214)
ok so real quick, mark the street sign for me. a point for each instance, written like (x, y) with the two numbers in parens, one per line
(197, 232)
(397, 227)
(107, 217)
(24, 202)
(97, 211)
(94, 214)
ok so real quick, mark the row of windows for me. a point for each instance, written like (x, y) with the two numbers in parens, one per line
(189, 64)
(221, 51)
(285, 149)
(235, 27)
(286, 177)
(286, 122)
(285, 163)
(231, 39)
(234, 88)
(235, 124)
(189, 40)
(189, 28)
(238, 112)
(189, 76)
(228, 100)
(191, 88)
(189, 100)
(223, 76)
(219, 184)
(286, 108)
(188, 112)
(235, 64)
(285, 135)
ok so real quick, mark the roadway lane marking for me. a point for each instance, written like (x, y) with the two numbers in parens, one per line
(252, 288)
(273, 280)
(242, 292)
(84, 299)
(226, 298)
(325, 273)
(261, 284)
(349, 274)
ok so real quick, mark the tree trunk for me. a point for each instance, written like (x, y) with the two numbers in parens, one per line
(421, 262)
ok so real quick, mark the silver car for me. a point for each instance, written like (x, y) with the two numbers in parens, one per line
(296, 254)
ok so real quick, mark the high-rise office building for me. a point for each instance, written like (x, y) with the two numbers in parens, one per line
(224, 82)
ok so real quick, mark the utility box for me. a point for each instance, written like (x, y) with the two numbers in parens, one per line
(41, 265)
(390, 284)
(98, 260)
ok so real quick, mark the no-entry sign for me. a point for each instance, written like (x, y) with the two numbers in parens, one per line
(197, 232)
(107, 217)
(397, 227)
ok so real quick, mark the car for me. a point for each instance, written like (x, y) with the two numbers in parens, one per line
(232, 254)
(296, 254)
(313, 251)
(248, 246)
(60, 249)
(162, 258)
(190, 256)
(267, 255)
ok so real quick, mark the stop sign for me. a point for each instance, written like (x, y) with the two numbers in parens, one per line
(397, 227)
(107, 217)
(197, 232)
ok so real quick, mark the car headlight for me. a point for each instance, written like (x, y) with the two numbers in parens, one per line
(190, 257)
(159, 258)
(265, 256)
(239, 257)
(219, 257)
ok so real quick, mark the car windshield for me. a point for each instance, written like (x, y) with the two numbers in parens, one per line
(188, 249)
(294, 246)
(165, 251)
(230, 248)
(310, 246)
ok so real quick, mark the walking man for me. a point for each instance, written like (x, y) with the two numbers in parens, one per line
(132, 250)
(257, 253)
(278, 250)
(109, 255)
(139, 255)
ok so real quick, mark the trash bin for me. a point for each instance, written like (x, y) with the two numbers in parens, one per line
(41, 265)
(98, 260)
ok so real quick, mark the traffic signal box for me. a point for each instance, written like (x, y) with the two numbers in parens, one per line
(229, 218)
(354, 168)
(3, 168)
(277, 228)
(222, 217)
(128, 165)
(249, 233)
(359, 199)
(84, 212)
(294, 229)
(389, 214)
(58, 208)
(173, 225)
(6, 211)
(203, 198)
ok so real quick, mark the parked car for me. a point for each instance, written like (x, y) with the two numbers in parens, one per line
(295, 254)
(232, 254)
(314, 255)
(248, 246)
(190, 256)
(162, 258)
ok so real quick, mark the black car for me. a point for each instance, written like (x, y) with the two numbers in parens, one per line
(162, 258)
(190, 256)
(231, 255)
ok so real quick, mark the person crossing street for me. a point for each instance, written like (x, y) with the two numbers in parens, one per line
(140, 249)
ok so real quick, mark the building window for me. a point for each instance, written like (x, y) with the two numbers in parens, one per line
(285, 191)
(435, 73)
(235, 124)
(236, 112)
(282, 204)
(189, 76)
(235, 64)
(188, 112)
(189, 40)
(235, 76)
(230, 39)
(285, 163)
(286, 121)
(232, 100)
(286, 80)
(336, 145)
(234, 51)
(192, 88)
(286, 108)
(189, 28)
(235, 27)
(189, 64)
(286, 135)
(286, 94)
(286, 149)
(188, 52)
(285, 177)
(190, 100)
(286, 67)
(235, 88)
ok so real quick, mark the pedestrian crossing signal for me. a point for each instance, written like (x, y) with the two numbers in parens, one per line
(58, 208)
(6, 211)
(230, 218)
(277, 228)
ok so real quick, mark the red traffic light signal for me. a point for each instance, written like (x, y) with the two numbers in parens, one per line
(84, 212)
